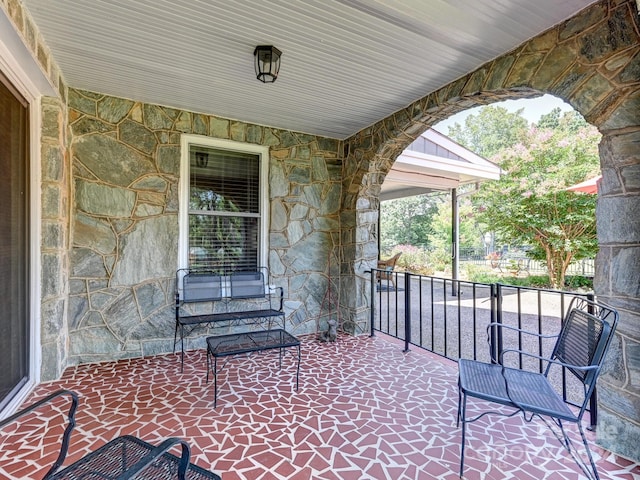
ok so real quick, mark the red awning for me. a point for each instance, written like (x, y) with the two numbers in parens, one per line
(588, 186)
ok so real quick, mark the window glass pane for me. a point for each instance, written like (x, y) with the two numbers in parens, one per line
(224, 209)
(224, 181)
(223, 243)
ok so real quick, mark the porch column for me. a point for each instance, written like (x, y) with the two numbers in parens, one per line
(617, 282)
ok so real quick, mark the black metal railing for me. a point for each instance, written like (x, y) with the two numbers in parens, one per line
(450, 318)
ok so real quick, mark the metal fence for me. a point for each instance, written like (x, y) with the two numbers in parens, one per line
(524, 264)
(450, 318)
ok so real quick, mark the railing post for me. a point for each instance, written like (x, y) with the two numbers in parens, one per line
(373, 303)
(593, 401)
(407, 311)
(496, 317)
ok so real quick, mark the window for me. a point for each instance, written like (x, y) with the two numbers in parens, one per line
(222, 205)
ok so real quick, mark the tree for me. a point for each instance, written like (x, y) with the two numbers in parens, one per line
(406, 221)
(469, 233)
(492, 130)
(569, 122)
(529, 205)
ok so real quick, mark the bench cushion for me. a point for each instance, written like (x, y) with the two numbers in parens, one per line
(247, 285)
(200, 287)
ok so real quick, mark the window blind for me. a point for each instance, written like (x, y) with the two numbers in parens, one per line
(224, 209)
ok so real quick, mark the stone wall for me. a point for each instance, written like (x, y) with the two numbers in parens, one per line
(55, 200)
(126, 159)
(592, 61)
(34, 41)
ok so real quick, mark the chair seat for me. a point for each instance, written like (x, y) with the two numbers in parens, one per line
(528, 390)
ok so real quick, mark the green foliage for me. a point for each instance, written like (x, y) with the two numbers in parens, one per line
(440, 259)
(492, 130)
(577, 281)
(476, 273)
(407, 221)
(550, 120)
(479, 274)
(413, 259)
(469, 232)
(529, 205)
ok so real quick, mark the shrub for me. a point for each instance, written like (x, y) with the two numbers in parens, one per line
(578, 281)
(480, 274)
(413, 259)
(440, 259)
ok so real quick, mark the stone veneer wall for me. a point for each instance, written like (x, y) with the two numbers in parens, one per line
(126, 158)
(593, 62)
(55, 201)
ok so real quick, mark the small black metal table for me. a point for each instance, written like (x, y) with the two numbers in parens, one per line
(248, 342)
(129, 457)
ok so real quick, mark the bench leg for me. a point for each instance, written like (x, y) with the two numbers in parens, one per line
(181, 348)
(175, 341)
(175, 337)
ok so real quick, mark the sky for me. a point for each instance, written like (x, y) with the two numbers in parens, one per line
(533, 109)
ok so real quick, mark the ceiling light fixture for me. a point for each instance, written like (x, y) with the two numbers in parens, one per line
(267, 63)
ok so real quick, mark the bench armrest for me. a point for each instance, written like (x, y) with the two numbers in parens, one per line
(67, 432)
(279, 291)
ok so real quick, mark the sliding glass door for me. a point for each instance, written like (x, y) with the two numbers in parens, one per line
(14, 241)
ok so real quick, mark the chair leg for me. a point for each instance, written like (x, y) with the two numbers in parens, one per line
(459, 407)
(566, 442)
(462, 411)
(586, 447)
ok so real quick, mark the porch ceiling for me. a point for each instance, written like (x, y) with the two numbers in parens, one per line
(346, 64)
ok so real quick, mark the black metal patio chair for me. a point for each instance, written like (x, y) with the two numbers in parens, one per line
(124, 457)
(580, 348)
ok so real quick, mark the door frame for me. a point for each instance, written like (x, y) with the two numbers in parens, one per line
(23, 71)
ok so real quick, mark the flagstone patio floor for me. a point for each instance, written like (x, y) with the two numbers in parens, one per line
(364, 410)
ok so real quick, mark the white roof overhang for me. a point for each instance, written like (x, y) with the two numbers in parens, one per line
(415, 173)
(346, 64)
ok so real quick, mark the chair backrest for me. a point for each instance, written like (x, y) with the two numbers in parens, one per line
(587, 331)
(390, 263)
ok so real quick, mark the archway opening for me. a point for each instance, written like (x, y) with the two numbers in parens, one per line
(542, 144)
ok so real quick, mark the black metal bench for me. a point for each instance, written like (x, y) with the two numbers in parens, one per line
(247, 342)
(122, 458)
(198, 286)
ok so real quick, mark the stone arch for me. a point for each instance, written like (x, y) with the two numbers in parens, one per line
(592, 61)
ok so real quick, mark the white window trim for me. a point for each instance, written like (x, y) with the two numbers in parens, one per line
(23, 71)
(183, 191)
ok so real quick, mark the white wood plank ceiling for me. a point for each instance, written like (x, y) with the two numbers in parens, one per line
(346, 64)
